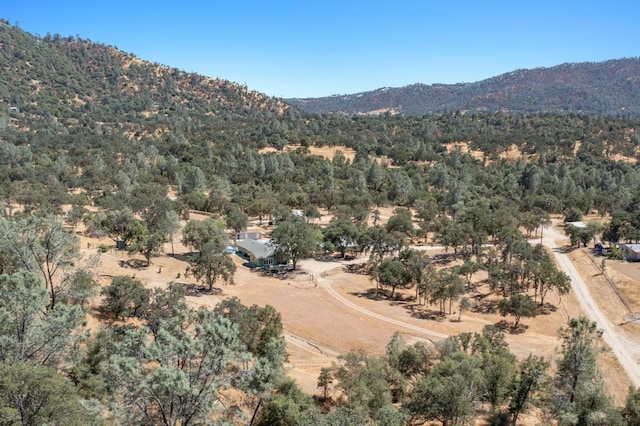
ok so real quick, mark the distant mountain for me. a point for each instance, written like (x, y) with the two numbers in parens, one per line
(609, 88)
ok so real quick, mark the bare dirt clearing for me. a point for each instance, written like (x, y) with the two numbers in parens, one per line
(327, 311)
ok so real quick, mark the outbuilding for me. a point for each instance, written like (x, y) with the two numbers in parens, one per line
(631, 252)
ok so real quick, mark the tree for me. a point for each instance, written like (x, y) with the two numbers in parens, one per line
(36, 395)
(82, 287)
(183, 375)
(75, 215)
(168, 224)
(528, 381)
(549, 277)
(417, 265)
(285, 406)
(448, 287)
(210, 261)
(165, 307)
(42, 246)
(325, 380)
(341, 234)
(362, 378)
(139, 239)
(400, 223)
(115, 222)
(449, 392)
(631, 409)
(29, 332)
(464, 306)
(581, 398)
(519, 305)
(380, 243)
(236, 219)
(125, 297)
(391, 273)
(295, 239)
(257, 325)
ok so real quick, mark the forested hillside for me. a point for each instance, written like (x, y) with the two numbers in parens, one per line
(92, 135)
(609, 88)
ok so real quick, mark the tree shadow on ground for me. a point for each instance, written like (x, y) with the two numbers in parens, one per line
(371, 294)
(197, 290)
(547, 309)
(443, 258)
(134, 264)
(355, 268)
(482, 306)
(421, 312)
(508, 327)
(184, 257)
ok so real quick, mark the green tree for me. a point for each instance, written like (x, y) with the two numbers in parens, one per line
(449, 393)
(257, 325)
(391, 273)
(210, 261)
(125, 297)
(519, 305)
(295, 239)
(115, 222)
(285, 406)
(82, 287)
(528, 381)
(183, 374)
(42, 246)
(362, 378)
(400, 223)
(325, 380)
(341, 234)
(418, 267)
(29, 332)
(166, 307)
(581, 398)
(140, 239)
(631, 409)
(36, 395)
(75, 215)
(235, 219)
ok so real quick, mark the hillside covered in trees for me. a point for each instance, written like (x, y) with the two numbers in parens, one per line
(130, 148)
(603, 88)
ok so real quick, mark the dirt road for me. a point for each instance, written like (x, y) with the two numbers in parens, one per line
(625, 350)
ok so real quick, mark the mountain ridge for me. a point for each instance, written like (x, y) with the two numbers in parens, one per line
(610, 88)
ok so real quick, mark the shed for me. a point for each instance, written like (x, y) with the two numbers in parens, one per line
(631, 252)
(248, 235)
(260, 253)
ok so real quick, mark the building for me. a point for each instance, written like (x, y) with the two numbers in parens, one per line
(631, 252)
(248, 236)
(260, 253)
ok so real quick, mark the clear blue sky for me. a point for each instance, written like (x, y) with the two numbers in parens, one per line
(310, 48)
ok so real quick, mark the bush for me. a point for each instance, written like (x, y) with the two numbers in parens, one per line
(125, 297)
(103, 248)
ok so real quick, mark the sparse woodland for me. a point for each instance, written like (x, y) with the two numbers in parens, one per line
(110, 137)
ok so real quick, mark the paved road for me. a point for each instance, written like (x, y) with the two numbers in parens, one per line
(626, 351)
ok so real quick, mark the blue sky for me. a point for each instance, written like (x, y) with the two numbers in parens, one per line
(310, 48)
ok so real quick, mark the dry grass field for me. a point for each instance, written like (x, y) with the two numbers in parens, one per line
(327, 311)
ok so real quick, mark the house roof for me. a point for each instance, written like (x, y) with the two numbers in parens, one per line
(260, 249)
(577, 224)
(633, 247)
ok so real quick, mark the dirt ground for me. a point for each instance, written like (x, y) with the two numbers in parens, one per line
(327, 311)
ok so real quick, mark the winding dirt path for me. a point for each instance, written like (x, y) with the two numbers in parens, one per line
(625, 350)
(326, 284)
